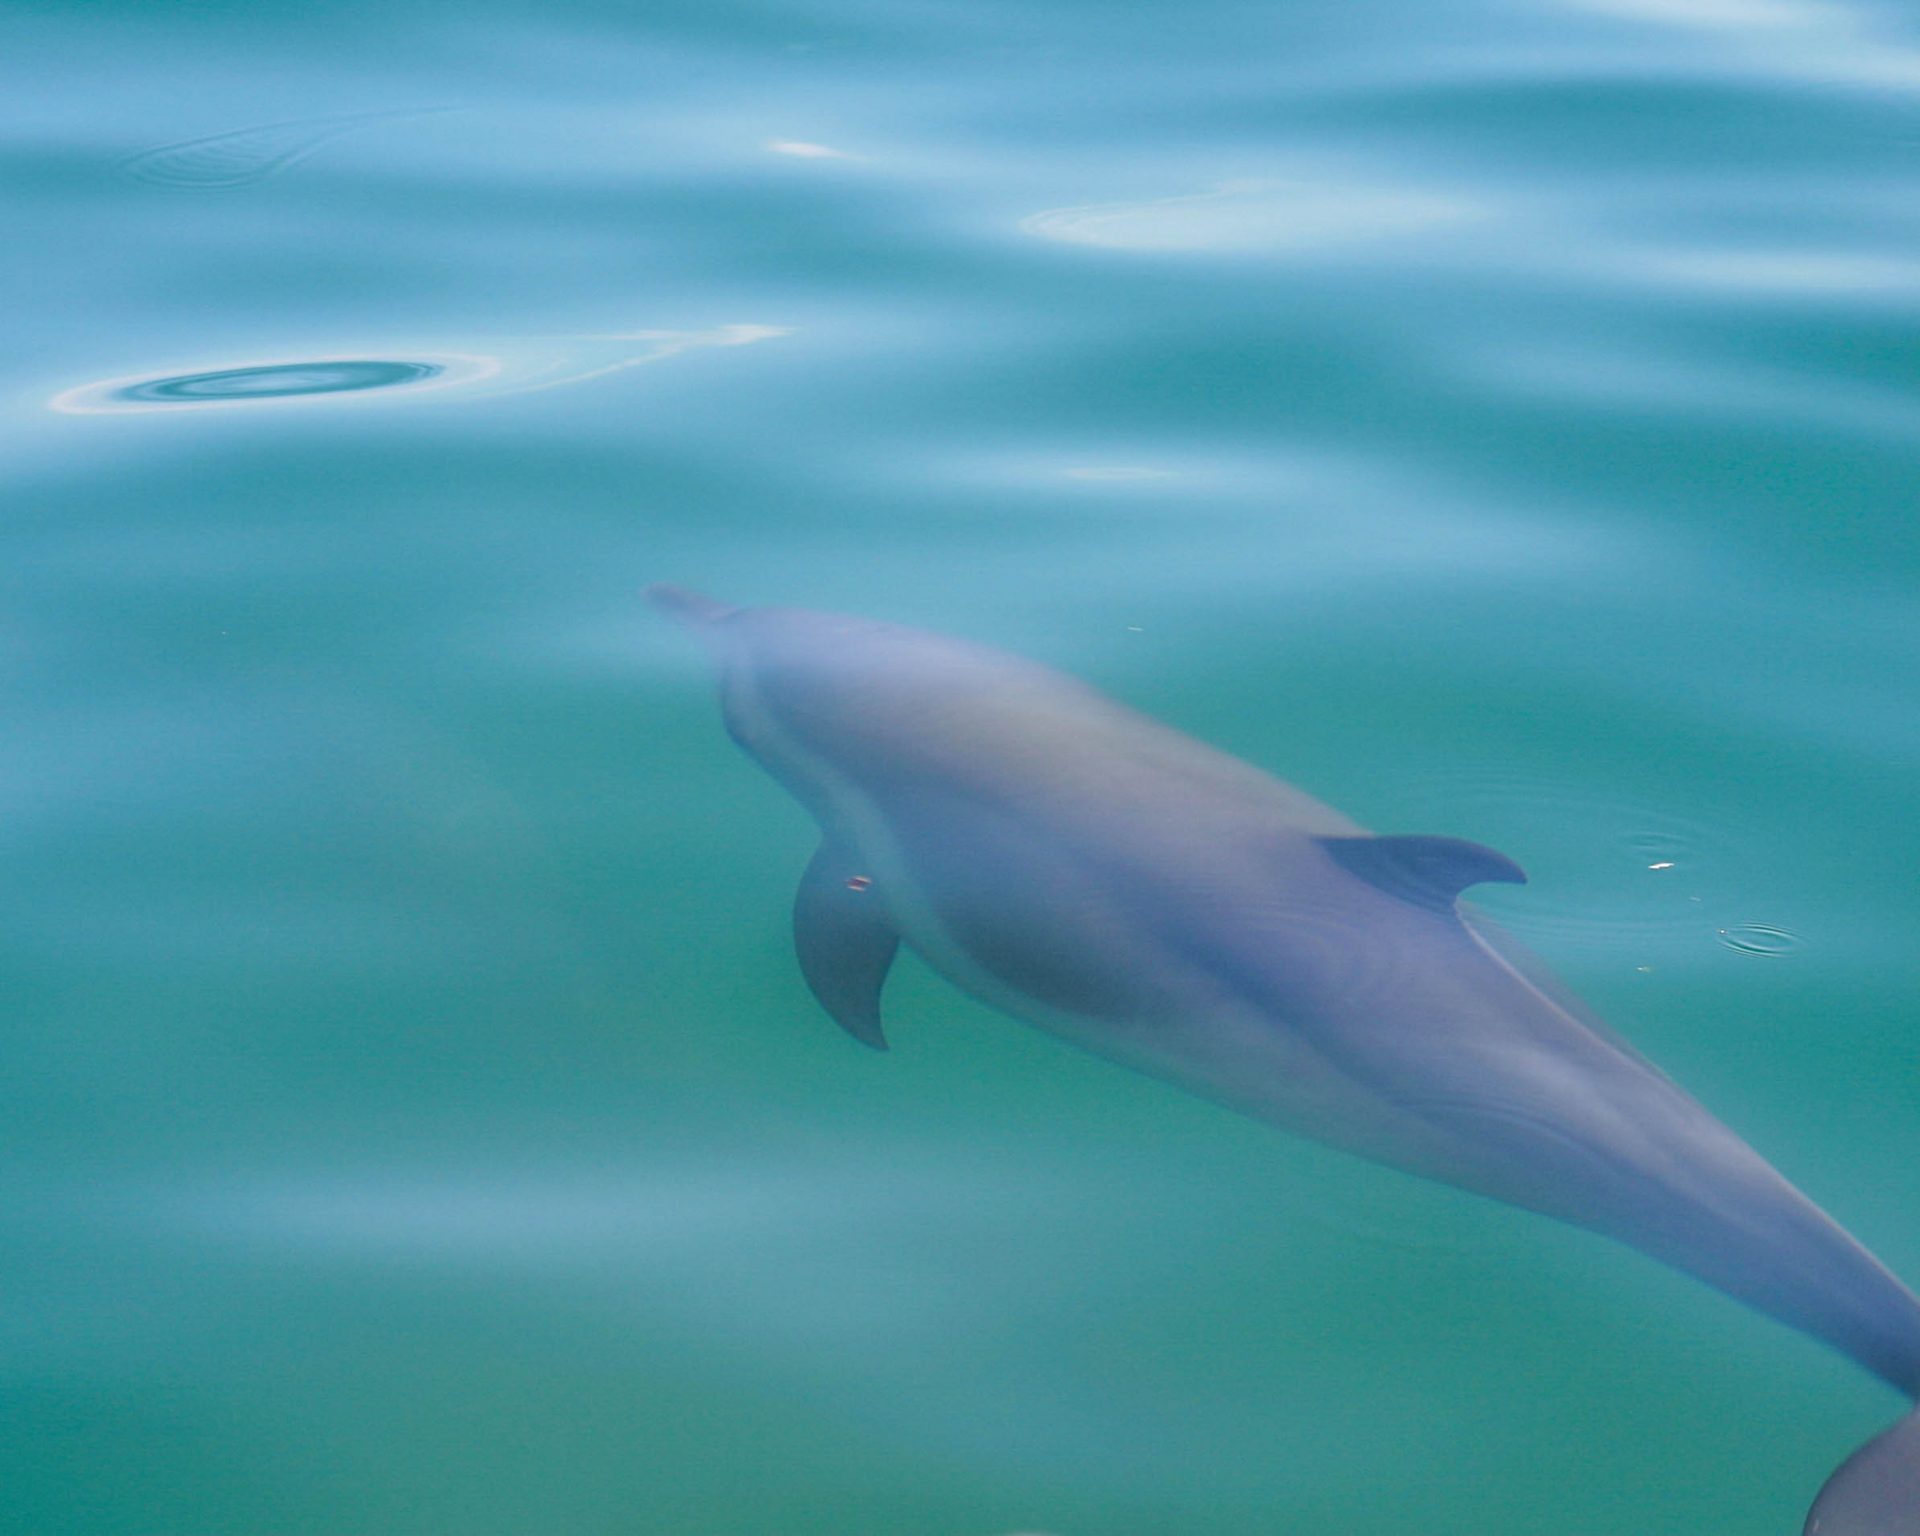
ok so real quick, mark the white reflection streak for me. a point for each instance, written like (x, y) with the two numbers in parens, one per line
(1650, 382)
(766, 1257)
(1723, 15)
(565, 1218)
(800, 149)
(666, 344)
(1836, 273)
(1253, 215)
(1118, 473)
(1800, 39)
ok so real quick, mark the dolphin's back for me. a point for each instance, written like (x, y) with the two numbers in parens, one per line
(899, 708)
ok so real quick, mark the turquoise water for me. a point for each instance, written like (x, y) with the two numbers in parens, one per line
(1499, 419)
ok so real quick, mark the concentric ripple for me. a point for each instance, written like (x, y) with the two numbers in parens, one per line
(1609, 874)
(279, 379)
(1760, 939)
(247, 156)
(510, 366)
(274, 383)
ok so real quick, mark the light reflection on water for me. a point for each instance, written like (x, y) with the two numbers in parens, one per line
(521, 366)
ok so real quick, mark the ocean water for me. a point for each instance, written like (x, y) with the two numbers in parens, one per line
(1500, 419)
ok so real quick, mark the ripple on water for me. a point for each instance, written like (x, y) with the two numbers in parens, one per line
(241, 158)
(1760, 939)
(1609, 873)
(511, 367)
(264, 383)
(277, 379)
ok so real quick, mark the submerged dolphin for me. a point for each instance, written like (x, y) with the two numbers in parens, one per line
(1117, 883)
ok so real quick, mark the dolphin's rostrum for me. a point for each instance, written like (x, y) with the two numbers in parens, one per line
(1115, 882)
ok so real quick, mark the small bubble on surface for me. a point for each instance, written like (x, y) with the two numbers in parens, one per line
(1759, 939)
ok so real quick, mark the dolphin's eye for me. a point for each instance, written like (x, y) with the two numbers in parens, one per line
(860, 883)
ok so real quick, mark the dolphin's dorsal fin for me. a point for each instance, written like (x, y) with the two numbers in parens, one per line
(844, 941)
(1427, 871)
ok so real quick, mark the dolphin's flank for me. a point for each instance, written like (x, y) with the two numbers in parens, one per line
(1117, 883)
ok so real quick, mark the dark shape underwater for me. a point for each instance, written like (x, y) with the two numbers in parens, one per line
(1163, 904)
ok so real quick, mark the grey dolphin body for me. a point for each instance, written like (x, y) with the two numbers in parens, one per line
(1115, 882)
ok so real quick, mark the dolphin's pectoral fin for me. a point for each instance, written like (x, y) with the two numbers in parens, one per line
(844, 941)
(1427, 871)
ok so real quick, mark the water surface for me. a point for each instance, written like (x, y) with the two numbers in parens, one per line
(1499, 419)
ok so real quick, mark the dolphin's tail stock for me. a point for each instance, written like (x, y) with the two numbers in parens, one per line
(1876, 1492)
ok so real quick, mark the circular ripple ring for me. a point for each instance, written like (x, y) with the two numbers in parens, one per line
(272, 383)
(279, 379)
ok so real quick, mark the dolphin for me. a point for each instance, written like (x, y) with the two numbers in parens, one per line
(1112, 881)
